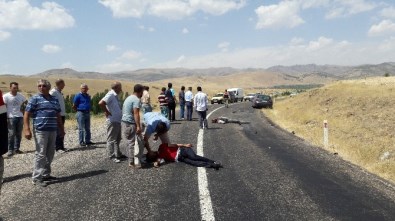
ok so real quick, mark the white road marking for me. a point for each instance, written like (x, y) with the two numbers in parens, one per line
(206, 207)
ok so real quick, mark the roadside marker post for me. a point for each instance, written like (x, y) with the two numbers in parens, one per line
(326, 134)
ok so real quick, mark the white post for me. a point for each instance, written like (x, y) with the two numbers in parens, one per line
(326, 135)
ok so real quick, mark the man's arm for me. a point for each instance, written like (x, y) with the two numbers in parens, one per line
(103, 106)
(75, 100)
(60, 125)
(26, 125)
(136, 114)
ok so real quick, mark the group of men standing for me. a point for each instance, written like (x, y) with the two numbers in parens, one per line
(47, 110)
(167, 101)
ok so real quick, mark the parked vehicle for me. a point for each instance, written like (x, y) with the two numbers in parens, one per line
(262, 100)
(238, 93)
(218, 98)
(232, 97)
(249, 97)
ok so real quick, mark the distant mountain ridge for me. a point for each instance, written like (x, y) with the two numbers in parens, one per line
(296, 72)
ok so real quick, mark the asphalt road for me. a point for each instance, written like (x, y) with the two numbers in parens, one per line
(268, 174)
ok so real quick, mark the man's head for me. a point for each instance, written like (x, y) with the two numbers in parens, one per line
(152, 156)
(138, 90)
(183, 88)
(226, 90)
(117, 87)
(199, 88)
(14, 87)
(163, 89)
(146, 88)
(190, 88)
(43, 86)
(60, 84)
(84, 88)
(161, 128)
(169, 85)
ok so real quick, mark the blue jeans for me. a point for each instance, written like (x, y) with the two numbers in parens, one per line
(146, 108)
(164, 110)
(84, 126)
(15, 126)
(202, 119)
(182, 109)
(189, 110)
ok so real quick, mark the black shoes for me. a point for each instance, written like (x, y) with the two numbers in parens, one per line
(18, 152)
(217, 165)
(89, 143)
(39, 183)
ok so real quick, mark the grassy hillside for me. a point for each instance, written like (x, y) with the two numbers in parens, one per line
(361, 120)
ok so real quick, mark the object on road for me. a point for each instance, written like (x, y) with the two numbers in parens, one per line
(225, 120)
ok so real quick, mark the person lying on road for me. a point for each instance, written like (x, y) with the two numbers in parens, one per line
(225, 120)
(180, 153)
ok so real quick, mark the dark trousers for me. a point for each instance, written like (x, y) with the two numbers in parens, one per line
(172, 110)
(202, 119)
(189, 110)
(182, 109)
(188, 156)
(60, 139)
(3, 134)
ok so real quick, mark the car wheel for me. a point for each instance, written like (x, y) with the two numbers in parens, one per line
(212, 102)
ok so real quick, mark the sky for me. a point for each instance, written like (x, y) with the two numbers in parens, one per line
(118, 35)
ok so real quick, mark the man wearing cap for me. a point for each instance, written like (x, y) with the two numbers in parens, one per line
(82, 104)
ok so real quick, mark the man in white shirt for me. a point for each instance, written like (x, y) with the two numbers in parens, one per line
(57, 93)
(189, 103)
(201, 106)
(14, 101)
(112, 109)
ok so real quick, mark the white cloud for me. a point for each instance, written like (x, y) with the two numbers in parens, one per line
(341, 8)
(130, 55)
(114, 67)
(4, 35)
(388, 12)
(319, 44)
(67, 65)
(284, 14)
(224, 46)
(383, 28)
(322, 51)
(170, 9)
(185, 31)
(111, 48)
(296, 41)
(181, 59)
(149, 29)
(51, 49)
(19, 14)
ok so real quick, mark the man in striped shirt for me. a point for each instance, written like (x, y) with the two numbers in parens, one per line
(45, 111)
(163, 102)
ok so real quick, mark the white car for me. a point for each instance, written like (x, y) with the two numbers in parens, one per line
(218, 98)
(249, 97)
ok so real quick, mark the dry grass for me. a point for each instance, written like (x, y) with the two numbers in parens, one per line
(361, 120)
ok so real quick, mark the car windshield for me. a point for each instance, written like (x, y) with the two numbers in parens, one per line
(264, 97)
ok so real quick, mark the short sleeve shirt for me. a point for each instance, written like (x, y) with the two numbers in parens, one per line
(14, 104)
(82, 102)
(55, 92)
(113, 106)
(152, 119)
(44, 112)
(132, 102)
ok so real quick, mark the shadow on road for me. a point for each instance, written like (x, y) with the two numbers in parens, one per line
(17, 177)
(79, 176)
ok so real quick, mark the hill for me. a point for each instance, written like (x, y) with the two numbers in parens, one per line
(360, 116)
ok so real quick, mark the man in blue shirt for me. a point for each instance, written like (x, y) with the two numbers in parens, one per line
(82, 104)
(131, 127)
(156, 123)
(45, 111)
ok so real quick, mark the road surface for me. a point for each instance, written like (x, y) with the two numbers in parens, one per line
(268, 174)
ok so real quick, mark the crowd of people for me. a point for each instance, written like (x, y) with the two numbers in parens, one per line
(47, 111)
